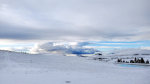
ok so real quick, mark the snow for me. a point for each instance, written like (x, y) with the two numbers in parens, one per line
(21, 68)
(131, 52)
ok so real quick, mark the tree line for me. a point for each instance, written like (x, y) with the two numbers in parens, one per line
(135, 60)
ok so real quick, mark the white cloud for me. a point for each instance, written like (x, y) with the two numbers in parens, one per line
(6, 48)
(74, 20)
(17, 49)
(63, 48)
(17, 17)
(147, 48)
(101, 47)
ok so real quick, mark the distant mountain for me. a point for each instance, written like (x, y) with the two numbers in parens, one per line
(131, 52)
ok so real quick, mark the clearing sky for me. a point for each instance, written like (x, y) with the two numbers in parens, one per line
(33, 21)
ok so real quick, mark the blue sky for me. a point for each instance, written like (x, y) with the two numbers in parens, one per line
(110, 45)
(104, 46)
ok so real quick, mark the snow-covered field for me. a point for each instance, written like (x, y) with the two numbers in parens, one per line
(20, 68)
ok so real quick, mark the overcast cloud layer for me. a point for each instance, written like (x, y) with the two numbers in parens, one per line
(75, 19)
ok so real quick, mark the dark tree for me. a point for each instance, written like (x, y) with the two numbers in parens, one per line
(127, 62)
(142, 60)
(131, 61)
(138, 61)
(119, 60)
(147, 62)
(135, 60)
(123, 61)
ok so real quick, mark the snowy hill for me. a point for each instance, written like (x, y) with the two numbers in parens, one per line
(131, 52)
(21, 68)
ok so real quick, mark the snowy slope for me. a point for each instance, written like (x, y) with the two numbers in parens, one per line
(20, 68)
(132, 52)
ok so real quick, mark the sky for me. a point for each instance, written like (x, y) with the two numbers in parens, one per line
(26, 23)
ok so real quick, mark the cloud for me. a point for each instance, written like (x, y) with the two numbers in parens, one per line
(63, 48)
(16, 49)
(146, 48)
(75, 20)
